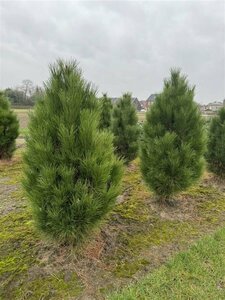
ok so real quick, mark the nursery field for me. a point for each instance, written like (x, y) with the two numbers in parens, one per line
(138, 238)
(23, 117)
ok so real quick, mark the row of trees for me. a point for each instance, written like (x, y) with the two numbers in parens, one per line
(172, 144)
(75, 150)
(25, 95)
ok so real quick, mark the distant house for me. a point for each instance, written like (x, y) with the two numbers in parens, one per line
(202, 108)
(135, 102)
(152, 97)
(215, 106)
(151, 100)
(211, 108)
(143, 105)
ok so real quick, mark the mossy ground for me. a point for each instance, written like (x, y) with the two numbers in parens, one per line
(137, 236)
(22, 273)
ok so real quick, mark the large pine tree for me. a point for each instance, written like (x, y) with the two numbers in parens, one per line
(72, 176)
(125, 128)
(216, 144)
(174, 142)
(9, 129)
(106, 112)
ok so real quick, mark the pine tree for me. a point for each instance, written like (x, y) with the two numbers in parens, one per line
(174, 142)
(216, 144)
(125, 128)
(9, 129)
(72, 176)
(106, 112)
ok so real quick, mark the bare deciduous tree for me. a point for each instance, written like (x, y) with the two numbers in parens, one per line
(27, 87)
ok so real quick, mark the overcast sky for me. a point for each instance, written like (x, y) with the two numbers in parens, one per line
(121, 46)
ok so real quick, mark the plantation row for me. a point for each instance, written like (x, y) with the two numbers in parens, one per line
(77, 146)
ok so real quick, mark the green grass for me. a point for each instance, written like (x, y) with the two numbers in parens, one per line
(23, 132)
(23, 116)
(141, 116)
(21, 110)
(198, 273)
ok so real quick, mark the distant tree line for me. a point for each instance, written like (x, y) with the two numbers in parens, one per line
(26, 94)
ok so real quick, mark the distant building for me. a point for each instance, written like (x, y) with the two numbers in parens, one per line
(135, 102)
(215, 106)
(211, 108)
(151, 100)
(143, 105)
(202, 108)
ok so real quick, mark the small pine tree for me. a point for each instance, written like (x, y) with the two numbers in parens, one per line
(9, 129)
(72, 176)
(106, 112)
(125, 128)
(216, 144)
(174, 142)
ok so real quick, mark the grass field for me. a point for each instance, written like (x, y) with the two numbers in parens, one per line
(138, 236)
(23, 117)
(22, 114)
(141, 116)
(195, 274)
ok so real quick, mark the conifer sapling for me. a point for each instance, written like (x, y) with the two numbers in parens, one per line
(125, 128)
(9, 129)
(216, 144)
(106, 112)
(72, 176)
(173, 141)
